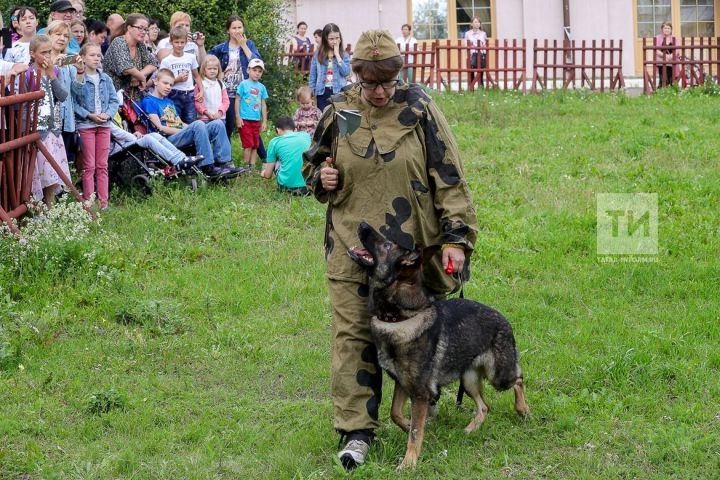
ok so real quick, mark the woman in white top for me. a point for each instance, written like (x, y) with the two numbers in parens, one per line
(406, 42)
(476, 37)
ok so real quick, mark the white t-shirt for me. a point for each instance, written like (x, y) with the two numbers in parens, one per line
(5, 67)
(233, 74)
(190, 47)
(95, 80)
(19, 53)
(409, 42)
(406, 44)
(178, 65)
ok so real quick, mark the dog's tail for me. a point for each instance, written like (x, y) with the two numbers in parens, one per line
(506, 360)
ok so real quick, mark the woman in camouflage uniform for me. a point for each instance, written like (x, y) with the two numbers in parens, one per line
(399, 171)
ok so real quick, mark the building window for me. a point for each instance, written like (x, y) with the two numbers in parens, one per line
(467, 9)
(430, 19)
(697, 18)
(651, 14)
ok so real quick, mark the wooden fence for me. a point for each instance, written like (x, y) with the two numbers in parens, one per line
(419, 64)
(19, 144)
(503, 66)
(595, 64)
(571, 64)
(689, 64)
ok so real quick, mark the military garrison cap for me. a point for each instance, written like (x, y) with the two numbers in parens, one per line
(375, 45)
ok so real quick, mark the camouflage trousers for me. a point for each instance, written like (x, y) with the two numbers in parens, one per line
(356, 376)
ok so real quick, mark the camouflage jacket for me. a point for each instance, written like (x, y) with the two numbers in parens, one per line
(400, 172)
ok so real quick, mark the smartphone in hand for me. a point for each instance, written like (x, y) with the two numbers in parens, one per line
(69, 60)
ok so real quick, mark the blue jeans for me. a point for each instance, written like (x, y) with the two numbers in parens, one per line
(154, 142)
(209, 140)
(184, 104)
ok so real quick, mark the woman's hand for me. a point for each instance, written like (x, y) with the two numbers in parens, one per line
(200, 39)
(59, 60)
(329, 175)
(242, 40)
(336, 51)
(457, 255)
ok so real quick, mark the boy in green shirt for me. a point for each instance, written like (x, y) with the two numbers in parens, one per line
(287, 150)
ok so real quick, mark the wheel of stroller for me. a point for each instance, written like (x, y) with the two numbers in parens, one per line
(142, 184)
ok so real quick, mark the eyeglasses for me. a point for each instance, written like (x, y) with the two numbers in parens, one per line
(142, 29)
(384, 85)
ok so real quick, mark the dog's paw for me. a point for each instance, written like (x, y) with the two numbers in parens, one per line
(409, 462)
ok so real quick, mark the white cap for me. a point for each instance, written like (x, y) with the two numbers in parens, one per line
(256, 62)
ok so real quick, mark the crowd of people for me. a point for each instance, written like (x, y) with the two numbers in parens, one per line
(192, 98)
(398, 168)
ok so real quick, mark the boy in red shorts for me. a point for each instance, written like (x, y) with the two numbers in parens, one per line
(251, 110)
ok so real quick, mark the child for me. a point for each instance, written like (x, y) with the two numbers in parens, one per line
(95, 102)
(79, 31)
(183, 65)
(209, 140)
(308, 115)
(10, 68)
(250, 110)
(6, 70)
(20, 51)
(287, 150)
(46, 181)
(215, 102)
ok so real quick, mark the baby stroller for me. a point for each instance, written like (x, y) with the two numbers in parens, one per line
(132, 164)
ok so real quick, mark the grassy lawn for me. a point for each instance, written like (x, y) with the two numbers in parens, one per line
(201, 323)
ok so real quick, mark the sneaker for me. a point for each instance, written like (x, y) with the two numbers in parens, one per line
(230, 168)
(189, 162)
(213, 171)
(355, 451)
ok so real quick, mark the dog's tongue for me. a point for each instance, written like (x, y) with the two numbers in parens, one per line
(361, 252)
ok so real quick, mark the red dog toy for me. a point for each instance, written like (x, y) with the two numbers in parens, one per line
(450, 269)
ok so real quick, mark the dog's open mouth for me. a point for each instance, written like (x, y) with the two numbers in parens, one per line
(362, 255)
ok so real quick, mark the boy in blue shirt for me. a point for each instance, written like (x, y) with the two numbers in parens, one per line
(287, 149)
(210, 140)
(251, 110)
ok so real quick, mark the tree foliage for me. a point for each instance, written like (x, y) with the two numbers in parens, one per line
(264, 24)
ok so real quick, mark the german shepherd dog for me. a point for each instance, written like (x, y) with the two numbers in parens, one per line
(425, 344)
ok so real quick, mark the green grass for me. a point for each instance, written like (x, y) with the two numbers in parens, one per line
(194, 342)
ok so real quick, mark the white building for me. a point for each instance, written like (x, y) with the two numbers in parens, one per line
(627, 20)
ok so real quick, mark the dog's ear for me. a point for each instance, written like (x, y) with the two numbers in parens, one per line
(361, 256)
(411, 259)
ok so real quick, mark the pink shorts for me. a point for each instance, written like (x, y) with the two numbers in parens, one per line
(250, 134)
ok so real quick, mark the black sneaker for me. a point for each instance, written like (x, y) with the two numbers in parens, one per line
(188, 162)
(213, 171)
(356, 449)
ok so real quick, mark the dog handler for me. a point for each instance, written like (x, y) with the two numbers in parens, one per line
(399, 171)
